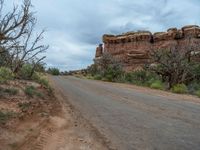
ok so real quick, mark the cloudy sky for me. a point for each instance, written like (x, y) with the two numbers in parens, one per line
(75, 27)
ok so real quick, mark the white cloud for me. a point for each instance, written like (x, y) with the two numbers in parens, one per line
(75, 27)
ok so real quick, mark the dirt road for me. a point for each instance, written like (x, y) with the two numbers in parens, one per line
(130, 117)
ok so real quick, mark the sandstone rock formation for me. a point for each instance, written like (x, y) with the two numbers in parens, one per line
(132, 48)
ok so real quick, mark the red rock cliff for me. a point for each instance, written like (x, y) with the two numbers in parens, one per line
(132, 48)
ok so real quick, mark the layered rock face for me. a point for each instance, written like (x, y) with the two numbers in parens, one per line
(132, 48)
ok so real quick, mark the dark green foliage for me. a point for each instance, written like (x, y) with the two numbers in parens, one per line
(54, 71)
(113, 73)
(97, 77)
(106, 68)
(11, 91)
(141, 77)
(24, 106)
(197, 93)
(5, 116)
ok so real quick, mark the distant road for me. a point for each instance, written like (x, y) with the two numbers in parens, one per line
(133, 117)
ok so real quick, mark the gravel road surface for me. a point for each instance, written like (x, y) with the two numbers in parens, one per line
(130, 117)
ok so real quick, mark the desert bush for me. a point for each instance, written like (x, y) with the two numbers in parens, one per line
(5, 75)
(36, 76)
(24, 106)
(179, 88)
(26, 72)
(108, 77)
(197, 93)
(5, 116)
(30, 91)
(11, 91)
(93, 70)
(97, 77)
(113, 73)
(141, 77)
(39, 78)
(176, 65)
(157, 85)
(193, 87)
(44, 82)
(54, 71)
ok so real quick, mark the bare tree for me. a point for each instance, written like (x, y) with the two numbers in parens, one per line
(30, 50)
(175, 64)
(15, 23)
(18, 38)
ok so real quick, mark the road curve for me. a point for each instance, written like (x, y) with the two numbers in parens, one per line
(133, 118)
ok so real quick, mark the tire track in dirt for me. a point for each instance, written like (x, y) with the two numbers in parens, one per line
(42, 139)
(67, 130)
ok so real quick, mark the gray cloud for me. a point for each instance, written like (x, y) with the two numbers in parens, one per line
(75, 27)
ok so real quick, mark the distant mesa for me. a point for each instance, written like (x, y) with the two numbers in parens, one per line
(132, 48)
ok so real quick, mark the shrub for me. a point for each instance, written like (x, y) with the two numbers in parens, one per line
(11, 91)
(93, 69)
(97, 77)
(54, 71)
(5, 75)
(129, 77)
(179, 88)
(109, 77)
(193, 87)
(198, 93)
(30, 91)
(36, 76)
(157, 85)
(114, 72)
(5, 116)
(44, 82)
(141, 77)
(24, 106)
(26, 72)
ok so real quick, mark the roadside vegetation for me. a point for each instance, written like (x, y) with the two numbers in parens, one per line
(25, 92)
(54, 71)
(172, 70)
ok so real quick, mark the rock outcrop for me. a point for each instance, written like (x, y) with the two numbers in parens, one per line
(132, 48)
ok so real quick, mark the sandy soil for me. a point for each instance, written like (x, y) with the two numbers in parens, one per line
(48, 124)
